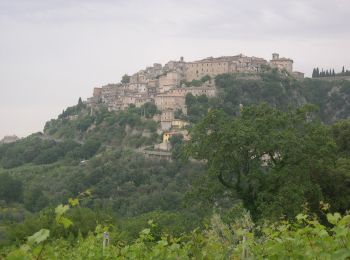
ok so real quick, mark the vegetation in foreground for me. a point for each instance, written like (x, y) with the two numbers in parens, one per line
(302, 238)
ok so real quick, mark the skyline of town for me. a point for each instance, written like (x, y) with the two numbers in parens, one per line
(53, 52)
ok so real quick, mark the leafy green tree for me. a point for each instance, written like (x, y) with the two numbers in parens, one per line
(341, 134)
(314, 73)
(196, 83)
(11, 190)
(255, 156)
(148, 109)
(35, 200)
(205, 78)
(125, 79)
(90, 147)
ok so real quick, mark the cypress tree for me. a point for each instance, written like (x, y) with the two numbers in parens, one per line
(343, 70)
(314, 73)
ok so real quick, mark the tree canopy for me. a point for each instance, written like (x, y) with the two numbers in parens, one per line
(273, 161)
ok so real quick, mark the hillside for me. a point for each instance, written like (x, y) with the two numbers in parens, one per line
(94, 155)
(282, 91)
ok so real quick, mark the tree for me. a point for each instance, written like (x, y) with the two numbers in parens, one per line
(125, 79)
(196, 83)
(343, 70)
(205, 78)
(11, 190)
(341, 134)
(265, 156)
(148, 109)
(35, 200)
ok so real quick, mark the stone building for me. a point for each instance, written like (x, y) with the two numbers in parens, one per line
(298, 75)
(166, 119)
(177, 66)
(179, 124)
(198, 91)
(109, 93)
(226, 64)
(170, 101)
(97, 92)
(195, 91)
(139, 101)
(168, 81)
(9, 139)
(281, 63)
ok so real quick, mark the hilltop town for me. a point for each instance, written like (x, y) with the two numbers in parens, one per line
(167, 86)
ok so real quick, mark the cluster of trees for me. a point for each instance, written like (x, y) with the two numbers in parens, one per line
(108, 127)
(197, 107)
(281, 91)
(38, 150)
(127, 190)
(11, 190)
(275, 88)
(316, 73)
(275, 162)
(74, 110)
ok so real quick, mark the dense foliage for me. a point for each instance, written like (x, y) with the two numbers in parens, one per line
(305, 238)
(316, 73)
(282, 91)
(274, 161)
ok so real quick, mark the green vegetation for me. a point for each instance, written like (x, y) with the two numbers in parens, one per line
(125, 79)
(273, 161)
(265, 176)
(282, 91)
(316, 73)
(131, 127)
(195, 82)
(305, 238)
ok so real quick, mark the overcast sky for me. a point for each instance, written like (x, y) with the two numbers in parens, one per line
(54, 51)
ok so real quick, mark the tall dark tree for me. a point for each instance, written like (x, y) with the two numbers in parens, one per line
(10, 189)
(125, 79)
(255, 157)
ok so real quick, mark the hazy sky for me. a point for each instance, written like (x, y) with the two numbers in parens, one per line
(54, 51)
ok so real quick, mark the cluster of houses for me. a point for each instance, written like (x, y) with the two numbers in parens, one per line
(167, 86)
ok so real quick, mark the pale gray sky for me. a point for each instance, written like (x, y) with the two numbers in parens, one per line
(54, 51)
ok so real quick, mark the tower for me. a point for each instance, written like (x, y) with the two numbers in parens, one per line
(275, 56)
